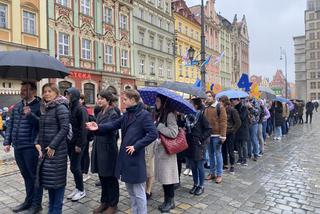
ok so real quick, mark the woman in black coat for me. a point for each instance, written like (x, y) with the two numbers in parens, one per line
(104, 155)
(198, 133)
(276, 113)
(52, 145)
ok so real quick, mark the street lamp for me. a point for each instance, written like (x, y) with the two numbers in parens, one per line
(191, 54)
(283, 53)
(203, 49)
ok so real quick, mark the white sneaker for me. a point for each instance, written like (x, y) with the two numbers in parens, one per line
(72, 194)
(186, 172)
(86, 177)
(78, 195)
(190, 173)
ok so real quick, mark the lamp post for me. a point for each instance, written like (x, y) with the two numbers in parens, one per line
(203, 50)
(283, 53)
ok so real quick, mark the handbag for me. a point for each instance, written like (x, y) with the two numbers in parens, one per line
(174, 145)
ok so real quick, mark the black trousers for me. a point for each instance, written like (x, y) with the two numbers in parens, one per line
(75, 166)
(228, 149)
(307, 116)
(109, 190)
(85, 159)
(168, 191)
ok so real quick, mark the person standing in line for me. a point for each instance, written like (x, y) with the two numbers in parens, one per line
(276, 114)
(22, 130)
(104, 156)
(260, 127)
(138, 131)
(285, 115)
(316, 105)
(78, 119)
(52, 146)
(242, 135)
(198, 136)
(216, 114)
(309, 111)
(254, 115)
(233, 124)
(265, 120)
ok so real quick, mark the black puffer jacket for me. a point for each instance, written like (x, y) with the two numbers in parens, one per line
(79, 118)
(22, 130)
(243, 132)
(53, 130)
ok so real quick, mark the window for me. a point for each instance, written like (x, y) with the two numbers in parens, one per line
(318, 85)
(167, 7)
(63, 44)
(311, 26)
(152, 68)
(141, 37)
(124, 58)
(109, 54)
(312, 55)
(180, 27)
(312, 75)
(180, 70)
(169, 47)
(197, 35)
(318, 75)
(311, 36)
(168, 26)
(3, 15)
(169, 74)
(123, 22)
(151, 18)
(86, 49)
(312, 65)
(85, 7)
(141, 66)
(313, 85)
(161, 68)
(63, 86)
(161, 44)
(63, 2)
(160, 23)
(312, 45)
(191, 35)
(311, 16)
(152, 41)
(89, 93)
(160, 3)
(180, 50)
(141, 13)
(186, 30)
(29, 22)
(313, 96)
(107, 16)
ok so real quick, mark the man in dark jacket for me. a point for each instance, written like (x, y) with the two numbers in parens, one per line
(22, 130)
(309, 111)
(242, 135)
(138, 131)
(79, 118)
(254, 116)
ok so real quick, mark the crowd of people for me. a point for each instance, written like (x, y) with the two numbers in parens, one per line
(223, 132)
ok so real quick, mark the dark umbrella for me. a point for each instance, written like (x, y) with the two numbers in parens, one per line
(30, 65)
(185, 88)
(149, 95)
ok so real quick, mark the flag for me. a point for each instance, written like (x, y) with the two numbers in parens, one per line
(206, 62)
(219, 58)
(197, 83)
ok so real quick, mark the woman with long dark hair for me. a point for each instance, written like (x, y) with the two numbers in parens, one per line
(166, 168)
(104, 155)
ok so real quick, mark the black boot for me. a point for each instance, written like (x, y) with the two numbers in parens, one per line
(169, 204)
(21, 207)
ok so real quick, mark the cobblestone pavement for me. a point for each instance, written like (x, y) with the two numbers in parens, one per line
(285, 180)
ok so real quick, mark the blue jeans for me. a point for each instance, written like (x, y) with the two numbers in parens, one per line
(56, 200)
(253, 129)
(27, 161)
(215, 155)
(264, 130)
(197, 168)
(278, 131)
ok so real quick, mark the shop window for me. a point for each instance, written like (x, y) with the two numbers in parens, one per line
(89, 91)
(64, 85)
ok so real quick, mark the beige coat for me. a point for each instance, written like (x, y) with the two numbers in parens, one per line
(166, 168)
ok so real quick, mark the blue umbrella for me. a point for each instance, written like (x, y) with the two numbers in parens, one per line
(232, 94)
(149, 95)
(281, 99)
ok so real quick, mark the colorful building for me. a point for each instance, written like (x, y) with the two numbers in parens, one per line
(188, 32)
(93, 39)
(212, 43)
(23, 26)
(278, 83)
(153, 36)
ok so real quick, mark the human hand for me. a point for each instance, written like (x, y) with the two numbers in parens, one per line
(223, 139)
(7, 148)
(26, 110)
(50, 152)
(38, 147)
(92, 126)
(130, 150)
(77, 149)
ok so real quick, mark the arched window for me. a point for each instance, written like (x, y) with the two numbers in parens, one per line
(89, 93)
(64, 85)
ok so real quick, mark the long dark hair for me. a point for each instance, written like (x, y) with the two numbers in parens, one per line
(166, 108)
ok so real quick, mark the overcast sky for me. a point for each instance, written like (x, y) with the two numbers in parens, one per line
(271, 24)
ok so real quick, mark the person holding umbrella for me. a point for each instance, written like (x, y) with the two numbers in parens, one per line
(22, 130)
(138, 131)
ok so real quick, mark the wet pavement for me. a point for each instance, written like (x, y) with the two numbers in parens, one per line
(285, 180)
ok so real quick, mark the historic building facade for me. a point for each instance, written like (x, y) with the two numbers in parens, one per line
(23, 26)
(93, 38)
(300, 67)
(278, 83)
(240, 49)
(188, 32)
(211, 39)
(153, 36)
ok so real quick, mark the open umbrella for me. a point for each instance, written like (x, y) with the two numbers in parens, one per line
(30, 65)
(149, 95)
(185, 88)
(267, 93)
(232, 94)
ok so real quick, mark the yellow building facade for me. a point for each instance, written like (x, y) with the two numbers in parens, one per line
(188, 32)
(23, 26)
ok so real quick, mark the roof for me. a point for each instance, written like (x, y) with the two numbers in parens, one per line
(225, 22)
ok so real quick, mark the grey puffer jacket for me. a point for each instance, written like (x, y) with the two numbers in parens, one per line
(53, 130)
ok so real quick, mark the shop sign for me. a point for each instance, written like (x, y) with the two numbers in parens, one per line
(80, 75)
